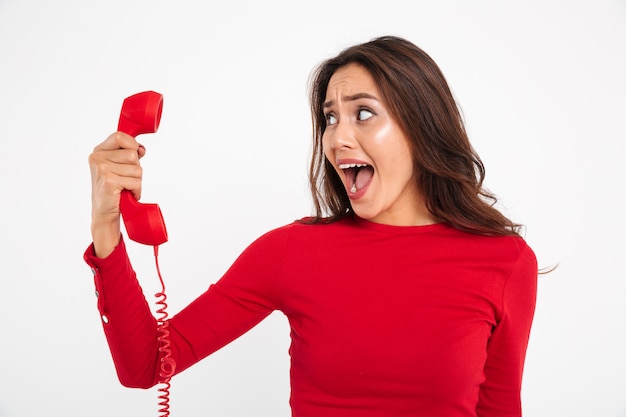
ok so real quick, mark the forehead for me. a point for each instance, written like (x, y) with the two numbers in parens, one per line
(349, 80)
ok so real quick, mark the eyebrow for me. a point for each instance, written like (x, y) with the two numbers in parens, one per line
(353, 97)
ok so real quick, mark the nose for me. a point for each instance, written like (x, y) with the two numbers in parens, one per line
(342, 136)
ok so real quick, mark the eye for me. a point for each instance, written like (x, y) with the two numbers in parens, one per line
(364, 114)
(330, 119)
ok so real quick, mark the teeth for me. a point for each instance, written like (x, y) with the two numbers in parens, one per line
(353, 188)
(346, 166)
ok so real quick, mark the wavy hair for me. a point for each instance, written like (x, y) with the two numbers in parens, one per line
(449, 172)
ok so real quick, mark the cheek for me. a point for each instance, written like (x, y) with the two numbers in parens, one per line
(405, 162)
(327, 153)
(400, 158)
(326, 148)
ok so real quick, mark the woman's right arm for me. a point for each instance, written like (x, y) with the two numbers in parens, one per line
(244, 296)
(247, 293)
(128, 323)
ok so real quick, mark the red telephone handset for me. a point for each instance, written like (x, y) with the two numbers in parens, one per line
(141, 113)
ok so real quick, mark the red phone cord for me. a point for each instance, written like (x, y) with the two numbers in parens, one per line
(168, 365)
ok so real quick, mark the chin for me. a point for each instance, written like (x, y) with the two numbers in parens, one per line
(365, 214)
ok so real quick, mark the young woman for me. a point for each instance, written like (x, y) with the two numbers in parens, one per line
(407, 293)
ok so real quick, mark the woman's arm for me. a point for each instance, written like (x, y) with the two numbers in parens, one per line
(500, 393)
(242, 298)
(245, 295)
(128, 323)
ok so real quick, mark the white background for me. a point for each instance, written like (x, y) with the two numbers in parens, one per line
(542, 87)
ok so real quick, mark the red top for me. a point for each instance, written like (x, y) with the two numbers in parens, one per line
(385, 320)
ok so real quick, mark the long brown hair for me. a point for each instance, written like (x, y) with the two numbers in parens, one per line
(449, 173)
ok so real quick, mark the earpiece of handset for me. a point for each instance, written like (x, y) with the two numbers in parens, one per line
(141, 113)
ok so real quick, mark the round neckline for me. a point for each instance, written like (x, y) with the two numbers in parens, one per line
(389, 228)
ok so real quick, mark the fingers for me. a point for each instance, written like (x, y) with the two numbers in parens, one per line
(116, 156)
(114, 165)
(118, 148)
(118, 140)
(115, 171)
(141, 151)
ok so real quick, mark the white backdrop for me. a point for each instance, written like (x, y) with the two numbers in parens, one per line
(542, 87)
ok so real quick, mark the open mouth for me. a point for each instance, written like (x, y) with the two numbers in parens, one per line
(357, 175)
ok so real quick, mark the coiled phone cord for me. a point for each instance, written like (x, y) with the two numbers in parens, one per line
(168, 364)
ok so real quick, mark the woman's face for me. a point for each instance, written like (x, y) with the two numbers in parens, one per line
(370, 152)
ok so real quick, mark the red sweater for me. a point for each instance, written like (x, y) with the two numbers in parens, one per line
(385, 320)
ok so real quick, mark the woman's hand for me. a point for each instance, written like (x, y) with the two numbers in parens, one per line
(114, 167)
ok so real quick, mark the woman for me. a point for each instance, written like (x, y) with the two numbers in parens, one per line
(407, 293)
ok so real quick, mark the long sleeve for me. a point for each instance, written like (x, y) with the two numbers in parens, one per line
(506, 351)
(129, 326)
(239, 300)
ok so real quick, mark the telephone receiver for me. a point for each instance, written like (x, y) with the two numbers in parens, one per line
(141, 113)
